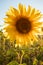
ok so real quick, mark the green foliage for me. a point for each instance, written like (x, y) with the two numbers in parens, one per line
(35, 61)
(26, 55)
(13, 63)
(23, 64)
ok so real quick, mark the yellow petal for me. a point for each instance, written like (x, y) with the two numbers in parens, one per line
(24, 10)
(33, 12)
(34, 37)
(38, 24)
(36, 15)
(38, 31)
(10, 21)
(13, 12)
(29, 10)
(20, 6)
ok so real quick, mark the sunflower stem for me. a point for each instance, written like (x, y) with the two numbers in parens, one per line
(21, 57)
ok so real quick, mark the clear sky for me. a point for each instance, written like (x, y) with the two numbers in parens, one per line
(5, 4)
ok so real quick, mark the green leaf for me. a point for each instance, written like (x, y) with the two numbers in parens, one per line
(35, 61)
(23, 64)
(13, 63)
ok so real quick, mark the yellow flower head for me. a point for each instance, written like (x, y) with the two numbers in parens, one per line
(23, 24)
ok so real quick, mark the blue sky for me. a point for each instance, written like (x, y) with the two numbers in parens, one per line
(5, 4)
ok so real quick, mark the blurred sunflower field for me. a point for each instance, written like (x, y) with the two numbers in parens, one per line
(25, 55)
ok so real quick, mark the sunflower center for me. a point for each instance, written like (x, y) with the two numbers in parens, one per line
(23, 25)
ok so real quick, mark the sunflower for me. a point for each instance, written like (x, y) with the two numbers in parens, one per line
(24, 25)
